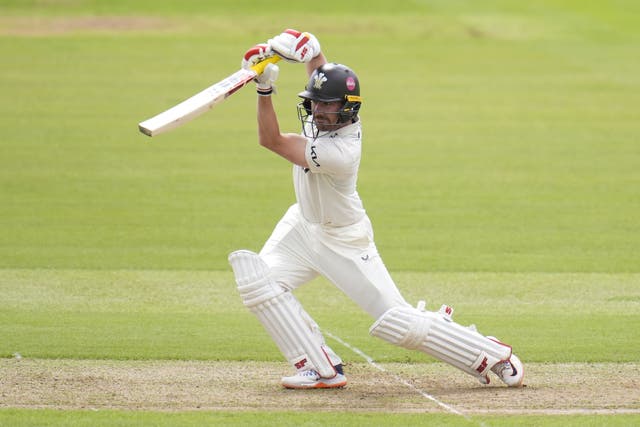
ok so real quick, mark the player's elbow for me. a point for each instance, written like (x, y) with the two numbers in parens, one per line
(268, 141)
(270, 138)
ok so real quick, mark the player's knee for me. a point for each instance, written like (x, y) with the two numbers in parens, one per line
(252, 278)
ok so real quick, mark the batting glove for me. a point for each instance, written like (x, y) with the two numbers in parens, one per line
(295, 46)
(257, 53)
(265, 81)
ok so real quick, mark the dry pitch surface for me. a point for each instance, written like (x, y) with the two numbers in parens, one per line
(184, 386)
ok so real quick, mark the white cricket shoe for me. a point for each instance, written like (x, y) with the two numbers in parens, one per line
(511, 371)
(311, 379)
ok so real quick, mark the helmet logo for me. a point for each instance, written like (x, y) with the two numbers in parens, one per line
(319, 80)
(351, 83)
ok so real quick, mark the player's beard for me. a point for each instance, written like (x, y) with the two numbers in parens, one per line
(324, 122)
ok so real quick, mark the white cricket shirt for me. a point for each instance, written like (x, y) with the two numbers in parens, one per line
(326, 190)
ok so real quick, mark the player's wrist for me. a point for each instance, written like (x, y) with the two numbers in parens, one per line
(264, 91)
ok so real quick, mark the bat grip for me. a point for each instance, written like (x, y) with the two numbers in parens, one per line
(259, 67)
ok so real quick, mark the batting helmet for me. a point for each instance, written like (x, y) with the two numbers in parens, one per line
(333, 82)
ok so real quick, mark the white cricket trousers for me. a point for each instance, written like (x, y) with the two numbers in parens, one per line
(298, 251)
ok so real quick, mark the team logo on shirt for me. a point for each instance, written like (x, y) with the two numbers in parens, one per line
(314, 156)
(319, 80)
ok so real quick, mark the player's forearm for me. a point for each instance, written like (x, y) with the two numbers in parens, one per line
(268, 127)
(315, 63)
(291, 146)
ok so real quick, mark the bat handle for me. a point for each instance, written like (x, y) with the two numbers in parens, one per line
(259, 67)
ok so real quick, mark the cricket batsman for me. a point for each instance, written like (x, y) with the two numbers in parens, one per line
(327, 232)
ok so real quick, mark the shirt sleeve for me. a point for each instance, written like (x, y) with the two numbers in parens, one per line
(332, 156)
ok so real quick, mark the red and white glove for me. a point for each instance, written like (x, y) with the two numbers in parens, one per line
(256, 54)
(265, 80)
(295, 46)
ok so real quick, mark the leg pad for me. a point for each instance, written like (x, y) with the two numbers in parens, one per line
(436, 334)
(294, 332)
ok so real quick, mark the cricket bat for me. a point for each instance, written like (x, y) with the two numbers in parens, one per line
(191, 108)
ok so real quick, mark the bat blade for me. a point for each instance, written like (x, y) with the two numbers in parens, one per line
(201, 102)
(196, 105)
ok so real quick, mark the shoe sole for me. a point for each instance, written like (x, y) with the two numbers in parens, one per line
(318, 385)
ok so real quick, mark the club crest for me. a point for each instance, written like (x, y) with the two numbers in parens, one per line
(319, 80)
(351, 83)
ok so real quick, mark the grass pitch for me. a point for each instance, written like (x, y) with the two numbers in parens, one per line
(500, 169)
(496, 139)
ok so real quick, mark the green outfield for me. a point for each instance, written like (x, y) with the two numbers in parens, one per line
(501, 170)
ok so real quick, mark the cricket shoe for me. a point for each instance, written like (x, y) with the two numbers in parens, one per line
(511, 371)
(311, 379)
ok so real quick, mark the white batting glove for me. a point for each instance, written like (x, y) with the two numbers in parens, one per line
(295, 46)
(256, 54)
(265, 81)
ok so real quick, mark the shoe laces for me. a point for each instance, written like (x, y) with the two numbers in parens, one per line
(309, 373)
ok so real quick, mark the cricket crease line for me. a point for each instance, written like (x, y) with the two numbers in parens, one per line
(398, 378)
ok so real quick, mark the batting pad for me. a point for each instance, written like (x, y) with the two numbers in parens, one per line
(436, 334)
(294, 332)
